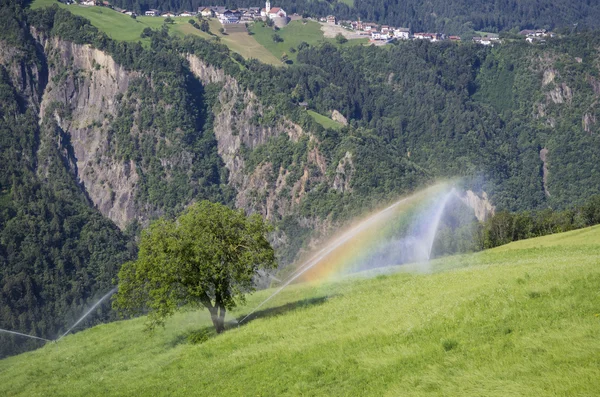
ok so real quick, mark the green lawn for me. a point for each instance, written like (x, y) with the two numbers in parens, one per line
(518, 320)
(324, 120)
(293, 34)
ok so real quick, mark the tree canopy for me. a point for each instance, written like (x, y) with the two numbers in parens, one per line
(208, 256)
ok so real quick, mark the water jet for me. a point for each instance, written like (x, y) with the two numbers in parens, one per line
(374, 242)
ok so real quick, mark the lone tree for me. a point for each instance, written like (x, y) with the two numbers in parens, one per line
(341, 39)
(208, 256)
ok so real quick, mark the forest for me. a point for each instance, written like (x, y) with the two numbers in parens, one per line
(416, 112)
(450, 17)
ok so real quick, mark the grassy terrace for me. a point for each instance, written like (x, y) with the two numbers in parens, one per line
(518, 320)
(293, 34)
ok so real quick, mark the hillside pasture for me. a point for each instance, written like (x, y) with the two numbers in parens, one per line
(518, 320)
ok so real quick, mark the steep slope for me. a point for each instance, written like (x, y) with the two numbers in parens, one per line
(521, 319)
(56, 251)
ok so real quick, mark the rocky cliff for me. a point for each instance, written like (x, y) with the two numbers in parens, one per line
(83, 84)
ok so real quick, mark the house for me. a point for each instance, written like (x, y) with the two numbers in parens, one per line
(186, 14)
(168, 14)
(385, 29)
(219, 10)
(151, 13)
(428, 36)
(375, 35)
(88, 3)
(482, 40)
(454, 38)
(527, 32)
(228, 16)
(331, 19)
(402, 33)
(205, 12)
(368, 27)
(130, 13)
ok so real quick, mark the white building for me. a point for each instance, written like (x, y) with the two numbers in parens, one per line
(271, 13)
(151, 13)
(402, 33)
(205, 12)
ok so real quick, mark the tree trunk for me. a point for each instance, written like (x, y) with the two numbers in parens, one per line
(222, 319)
(216, 319)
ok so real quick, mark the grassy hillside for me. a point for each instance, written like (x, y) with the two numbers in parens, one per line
(325, 121)
(522, 319)
(293, 34)
(122, 27)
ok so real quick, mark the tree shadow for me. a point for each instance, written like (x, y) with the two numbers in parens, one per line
(202, 334)
(279, 310)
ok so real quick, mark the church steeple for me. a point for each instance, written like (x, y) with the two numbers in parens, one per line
(268, 6)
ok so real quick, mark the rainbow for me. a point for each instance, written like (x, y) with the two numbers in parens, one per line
(352, 247)
(364, 240)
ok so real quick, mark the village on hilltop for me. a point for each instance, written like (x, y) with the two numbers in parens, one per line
(377, 34)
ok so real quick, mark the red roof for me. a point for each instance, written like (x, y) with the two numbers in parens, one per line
(274, 10)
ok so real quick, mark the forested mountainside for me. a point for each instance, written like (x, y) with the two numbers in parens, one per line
(56, 251)
(450, 17)
(98, 137)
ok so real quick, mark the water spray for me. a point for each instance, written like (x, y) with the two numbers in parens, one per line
(28, 336)
(420, 247)
(87, 313)
(322, 254)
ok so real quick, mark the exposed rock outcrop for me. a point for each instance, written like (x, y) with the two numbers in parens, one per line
(480, 204)
(236, 131)
(337, 116)
(85, 81)
(343, 174)
(562, 93)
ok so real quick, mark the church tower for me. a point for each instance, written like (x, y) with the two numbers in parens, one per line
(268, 6)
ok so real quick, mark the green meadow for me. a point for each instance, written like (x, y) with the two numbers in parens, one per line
(116, 25)
(122, 27)
(293, 34)
(519, 320)
(325, 121)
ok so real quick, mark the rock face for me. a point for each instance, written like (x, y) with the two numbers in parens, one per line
(343, 174)
(337, 116)
(235, 132)
(85, 82)
(481, 205)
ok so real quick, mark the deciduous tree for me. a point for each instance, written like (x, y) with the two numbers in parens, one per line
(208, 256)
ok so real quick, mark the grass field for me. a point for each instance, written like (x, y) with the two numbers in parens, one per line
(119, 26)
(293, 34)
(324, 120)
(122, 27)
(518, 320)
